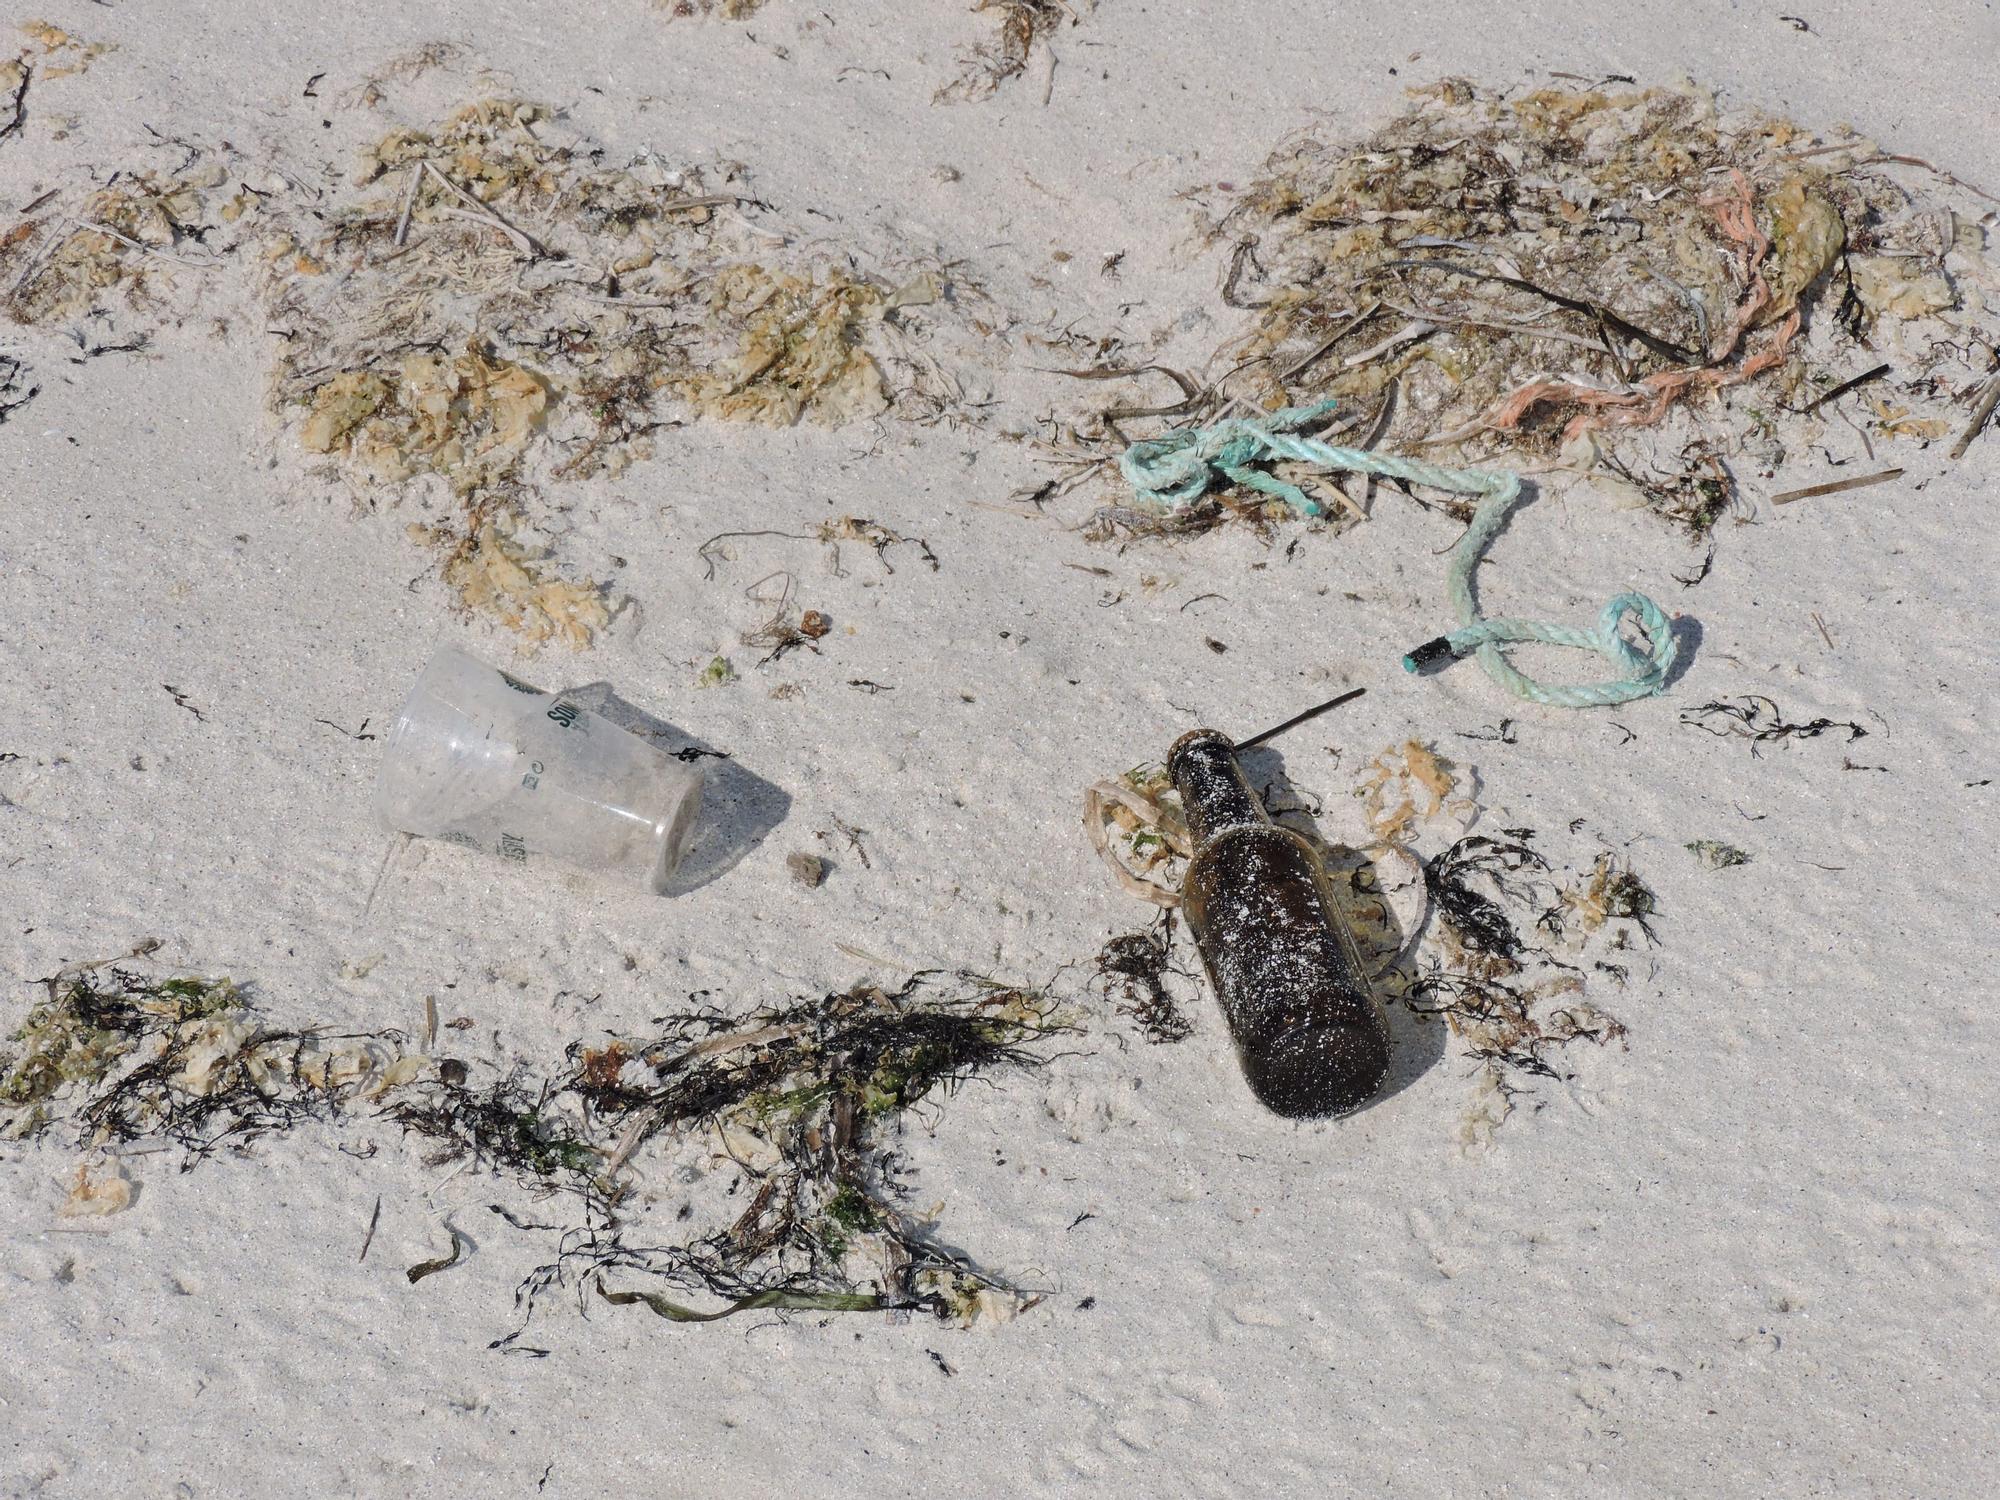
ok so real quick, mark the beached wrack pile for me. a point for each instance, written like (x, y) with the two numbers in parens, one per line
(497, 310)
(1623, 281)
(778, 1128)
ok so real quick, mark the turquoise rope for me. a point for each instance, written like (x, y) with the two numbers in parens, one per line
(1177, 469)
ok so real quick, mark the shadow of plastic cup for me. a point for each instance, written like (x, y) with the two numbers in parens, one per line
(479, 758)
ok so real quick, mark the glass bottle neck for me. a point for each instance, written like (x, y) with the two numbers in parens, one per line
(1214, 791)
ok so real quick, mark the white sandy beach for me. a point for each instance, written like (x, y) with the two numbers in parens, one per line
(1749, 1251)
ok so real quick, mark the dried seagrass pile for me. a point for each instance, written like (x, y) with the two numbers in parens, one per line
(1617, 280)
(496, 308)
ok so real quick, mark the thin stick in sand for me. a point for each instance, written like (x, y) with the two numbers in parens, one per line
(140, 245)
(1836, 486)
(19, 103)
(474, 209)
(1980, 413)
(409, 204)
(1842, 389)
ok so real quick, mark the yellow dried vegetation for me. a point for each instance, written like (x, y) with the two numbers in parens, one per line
(139, 237)
(1409, 784)
(798, 354)
(497, 309)
(55, 53)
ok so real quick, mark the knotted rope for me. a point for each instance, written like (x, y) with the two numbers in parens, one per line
(1175, 470)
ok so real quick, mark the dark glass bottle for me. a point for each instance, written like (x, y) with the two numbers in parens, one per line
(1308, 1029)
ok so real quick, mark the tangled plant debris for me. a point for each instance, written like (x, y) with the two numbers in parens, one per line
(1629, 283)
(799, 1104)
(803, 1101)
(1714, 854)
(16, 390)
(1759, 720)
(496, 308)
(1133, 970)
(729, 10)
(1516, 1005)
(121, 1057)
(1020, 25)
(138, 244)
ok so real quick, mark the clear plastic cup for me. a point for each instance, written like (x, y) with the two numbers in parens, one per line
(479, 758)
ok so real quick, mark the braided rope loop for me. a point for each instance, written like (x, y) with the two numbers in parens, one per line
(1175, 470)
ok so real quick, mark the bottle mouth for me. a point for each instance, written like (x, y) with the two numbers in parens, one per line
(674, 839)
(1197, 738)
(1203, 768)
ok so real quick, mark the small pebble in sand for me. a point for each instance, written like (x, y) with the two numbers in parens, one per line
(807, 869)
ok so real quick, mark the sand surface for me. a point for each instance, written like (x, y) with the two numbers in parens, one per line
(1752, 1252)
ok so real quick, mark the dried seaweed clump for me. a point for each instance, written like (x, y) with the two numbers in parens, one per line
(1585, 277)
(466, 418)
(62, 55)
(1022, 23)
(1409, 784)
(496, 574)
(1132, 971)
(799, 354)
(497, 308)
(144, 236)
(729, 10)
(801, 1101)
(1139, 829)
(1504, 970)
(123, 1057)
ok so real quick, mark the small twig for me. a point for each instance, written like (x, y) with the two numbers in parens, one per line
(1980, 413)
(353, 734)
(711, 200)
(853, 836)
(1383, 414)
(1408, 333)
(1688, 581)
(19, 104)
(1918, 161)
(1459, 320)
(1842, 389)
(369, 1238)
(1245, 254)
(141, 246)
(1836, 486)
(409, 205)
(1119, 372)
(525, 242)
(1296, 719)
(1330, 340)
(181, 701)
(1663, 347)
(1824, 633)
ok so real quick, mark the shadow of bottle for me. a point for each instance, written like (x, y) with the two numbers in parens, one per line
(739, 809)
(1416, 1041)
